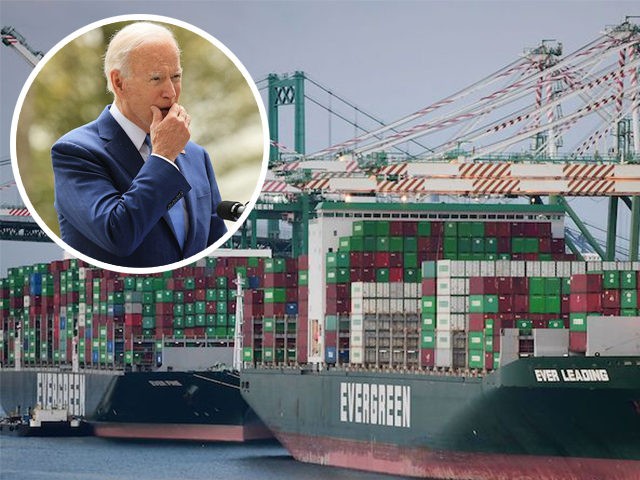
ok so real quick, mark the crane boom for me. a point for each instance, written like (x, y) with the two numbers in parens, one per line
(12, 38)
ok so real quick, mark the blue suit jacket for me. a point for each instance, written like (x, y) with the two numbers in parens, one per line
(113, 206)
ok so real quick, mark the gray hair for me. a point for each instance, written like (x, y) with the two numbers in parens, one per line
(126, 41)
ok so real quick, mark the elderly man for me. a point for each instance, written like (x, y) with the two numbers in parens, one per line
(130, 188)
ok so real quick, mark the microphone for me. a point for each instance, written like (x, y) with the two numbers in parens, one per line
(228, 210)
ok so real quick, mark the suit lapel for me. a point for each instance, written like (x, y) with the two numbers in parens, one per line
(118, 144)
(124, 152)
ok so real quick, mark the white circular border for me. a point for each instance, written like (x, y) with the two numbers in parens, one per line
(126, 18)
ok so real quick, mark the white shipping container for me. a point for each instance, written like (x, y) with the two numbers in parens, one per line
(82, 273)
(412, 305)
(355, 340)
(456, 268)
(356, 355)
(443, 339)
(443, 304)
(356, 323)
(396, 305)
(443, 322)
(458, 321)
(82, 307)
(459, 286)
(443, 357)
(548, 269)
(533, 269)
(578, 268)
(487, 268)
(370, 305)
(443, 286)
(357, 305)
(443, 268)
(411, 290)
(82, 320)
(472, 268)
(382, 290)
(357, 289)
(503, 268)
(518, 269)
(382, 305)
(459, 304)
(26, 301)
(396, 290)
(596, 267)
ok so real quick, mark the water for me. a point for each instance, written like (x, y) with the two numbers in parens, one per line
(92, 458)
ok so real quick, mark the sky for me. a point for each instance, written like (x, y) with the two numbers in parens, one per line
(389, 58)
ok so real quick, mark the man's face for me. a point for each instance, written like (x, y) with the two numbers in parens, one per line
(154, 78)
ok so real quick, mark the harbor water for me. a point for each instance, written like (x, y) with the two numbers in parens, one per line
(92, 458)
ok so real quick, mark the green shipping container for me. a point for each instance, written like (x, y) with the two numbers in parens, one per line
(247, 354)
(428, 339)
(424, 229)
(382, 228)
(629, 299)
(382, 275)
(476, 359)
(483, 303)
(611, 279)
(628, 280)
(475, 341)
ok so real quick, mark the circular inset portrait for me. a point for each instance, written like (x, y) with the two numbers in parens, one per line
(139, 143)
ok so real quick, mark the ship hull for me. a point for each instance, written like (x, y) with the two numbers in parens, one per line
(194, 406)
(523, 421)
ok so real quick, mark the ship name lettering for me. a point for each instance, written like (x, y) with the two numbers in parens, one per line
(375, 404)
(165, 383)
(585, 375)
(547, 375)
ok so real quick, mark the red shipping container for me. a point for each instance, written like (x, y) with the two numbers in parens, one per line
(611, 299)
(368, 274)
(437, 229)
(490, 229)
(586, 283)
(343, 290)
(585, 302)
(200, 294)
(272, 309)
(504, 244)
(565, 306)
(343, 306)
(303, 262)
(428, 286)
(395, 228)
(368, 259)
(557, 245)
(505, 304)
(396, 274)
(484, 286)
(488, 361)
(517, 229)
(427, 357)
(396, 259)
(381, 259)
(409, 229)
(428, 244)
(496, 342)
(520, 285)
(544, 245)
(530, 229)
(330, 339)
(268, 339)
(520, 303)
(274, 280)
(578, 341)
(504, 285)
(355, 275)
(611, 312)
(476, 322)
(355, 259)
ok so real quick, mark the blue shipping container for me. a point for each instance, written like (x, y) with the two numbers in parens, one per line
(330, 355)
(291, 308)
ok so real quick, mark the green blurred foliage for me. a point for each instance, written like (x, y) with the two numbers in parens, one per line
(71, 91)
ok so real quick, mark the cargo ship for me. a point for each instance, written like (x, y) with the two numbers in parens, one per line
(136, 357)
(457, 342)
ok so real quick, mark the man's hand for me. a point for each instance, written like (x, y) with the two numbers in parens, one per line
(170, 134)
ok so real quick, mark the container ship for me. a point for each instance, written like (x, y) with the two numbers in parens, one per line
(136, 357)
(457, 341)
